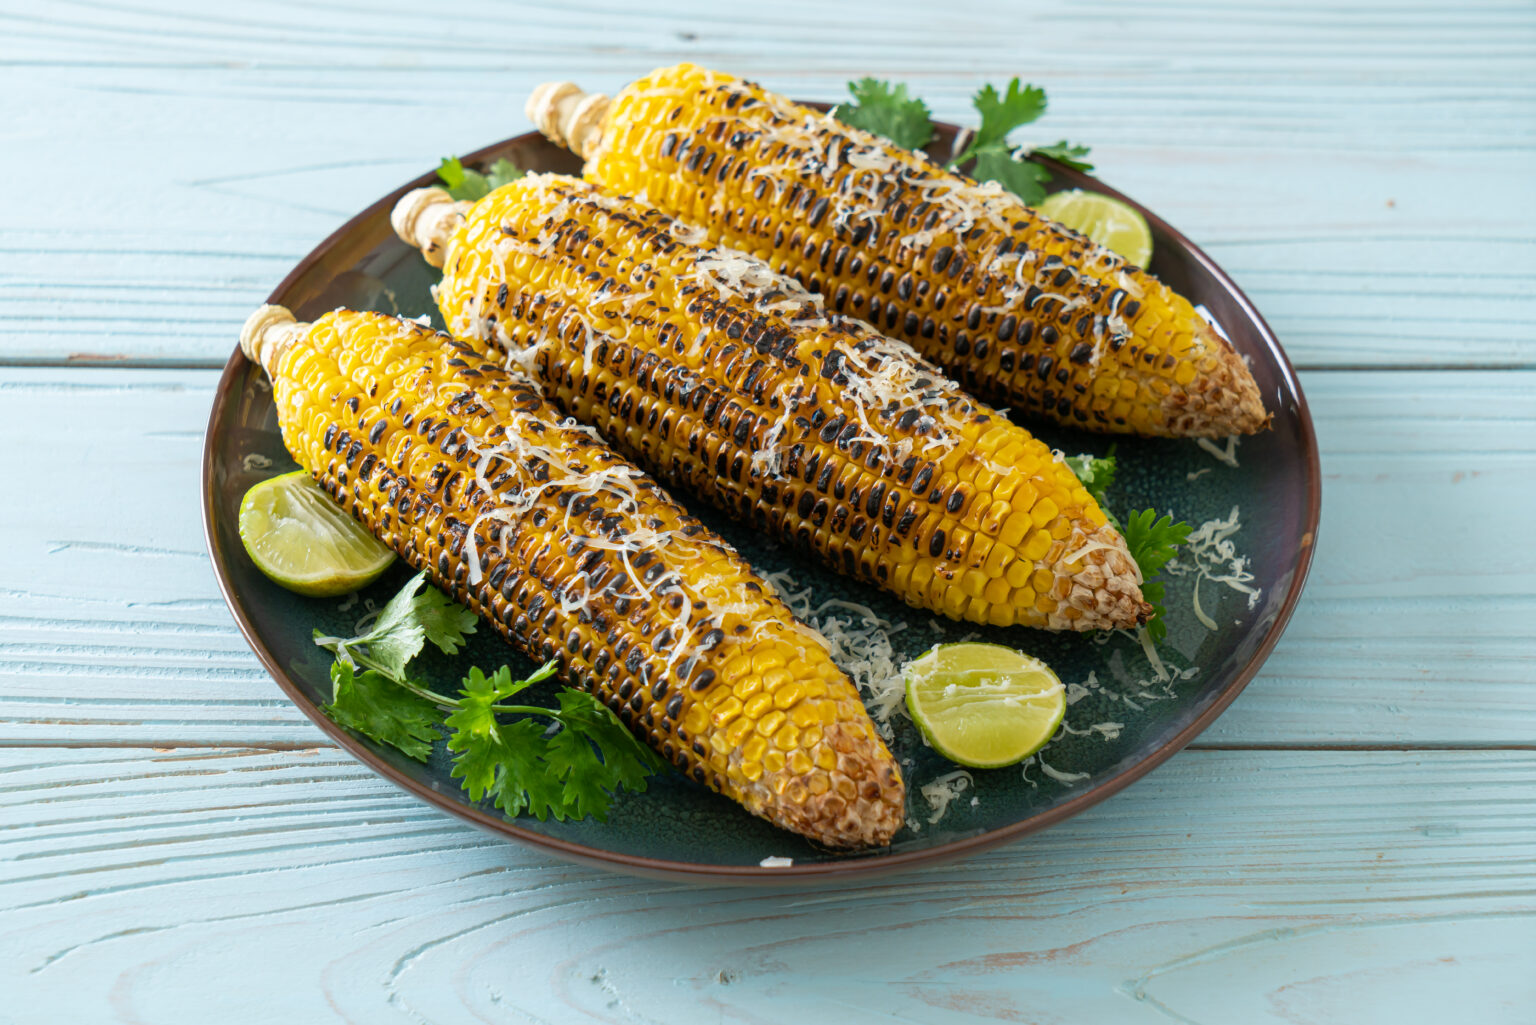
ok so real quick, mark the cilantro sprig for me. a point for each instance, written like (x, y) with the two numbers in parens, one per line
(565, 762)
(466, 183)
(887, 110)
(1152, 541)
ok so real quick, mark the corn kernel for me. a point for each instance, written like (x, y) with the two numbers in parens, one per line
(787, 696)
(1035, 548)
(759, 704)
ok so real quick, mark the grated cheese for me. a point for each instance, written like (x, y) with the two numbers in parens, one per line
(1215, 559)
(1227, 455)
(943, 790)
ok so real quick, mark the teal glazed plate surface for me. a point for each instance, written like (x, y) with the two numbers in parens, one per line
(1122, 722)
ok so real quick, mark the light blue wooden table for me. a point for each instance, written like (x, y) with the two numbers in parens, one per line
(1355, 841)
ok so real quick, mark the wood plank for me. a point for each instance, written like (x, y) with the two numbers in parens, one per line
(1283, 137)
(244, 886)
(1415, 628)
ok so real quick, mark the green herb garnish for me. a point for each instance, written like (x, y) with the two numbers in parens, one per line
(465, 183)
(567, 762)
(1152, 542)
(887, 110)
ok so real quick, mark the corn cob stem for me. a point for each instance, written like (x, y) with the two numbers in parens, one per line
(1017, 308)
(574, 555)
(567, 115)
(717, 374)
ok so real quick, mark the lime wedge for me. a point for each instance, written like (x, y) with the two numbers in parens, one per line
(300, 538)
(984, 705)
(1107, 221)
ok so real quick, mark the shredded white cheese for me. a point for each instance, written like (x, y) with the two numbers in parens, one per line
(941, 792)
(1210, 555)
(1227, 455)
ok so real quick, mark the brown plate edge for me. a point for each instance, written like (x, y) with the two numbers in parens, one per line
(236, 368)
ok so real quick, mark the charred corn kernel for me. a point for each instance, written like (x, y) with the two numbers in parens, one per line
(1019, 308)
(569, 552)
(734, 382)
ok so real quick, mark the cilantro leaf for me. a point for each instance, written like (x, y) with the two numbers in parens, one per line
(443, 621)
(1020, 177)
(887, 110)
(1064, 152)
(1096, 473)
(398, 634)
(522, 768)
(520, 765)
(462, 182)
(504, 171)
(590, 728)
(370, 704)
(1000, 115)
(1153, 543)
(466, 183)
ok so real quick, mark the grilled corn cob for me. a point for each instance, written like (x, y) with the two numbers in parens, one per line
(717, 374)
(575, 555)
(1019, 309)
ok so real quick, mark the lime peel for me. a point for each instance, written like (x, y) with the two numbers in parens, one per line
(1104, 219)
(984, 706)
(301, 539)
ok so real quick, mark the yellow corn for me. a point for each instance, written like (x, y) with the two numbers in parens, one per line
(573, 554)
(719, 375)
(1019, 309)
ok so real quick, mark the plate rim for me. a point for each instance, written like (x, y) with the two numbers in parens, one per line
(237, 366)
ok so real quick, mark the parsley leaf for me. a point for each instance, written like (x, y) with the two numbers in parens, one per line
(995, 159)
(887, 110)
(466, 183)
(1064, 152)
(519, 764)
(1001, 114)
(370, 704)
(1097, 473)
(403, 627)
(502, 172)
(501, 760)
(1153, 543)
(572, 773)
(1020, 177)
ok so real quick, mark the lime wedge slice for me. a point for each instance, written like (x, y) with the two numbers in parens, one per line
(300, 538)
(1107, 221)
(984, 705)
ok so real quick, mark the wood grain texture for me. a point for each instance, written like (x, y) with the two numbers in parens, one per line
(248, 886)
(1377, 215)
(112, 631)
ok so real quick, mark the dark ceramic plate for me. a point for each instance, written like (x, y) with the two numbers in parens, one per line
(680, 830)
